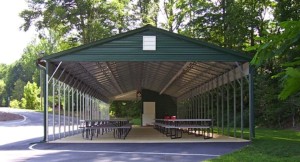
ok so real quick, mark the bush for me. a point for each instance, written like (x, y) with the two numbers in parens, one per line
(31, 93)
(14, 104)
(23, 103)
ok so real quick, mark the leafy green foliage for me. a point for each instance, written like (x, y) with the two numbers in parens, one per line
(31, 96)
(2, 90)
(287, 10)
(3, 71)
(2, 87)
(14, 104)
(125, 109)
(18, 90)
(291, 83)
(283, 47)
(85, 21)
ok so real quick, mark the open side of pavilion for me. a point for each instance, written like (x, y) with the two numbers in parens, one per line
(183, 77)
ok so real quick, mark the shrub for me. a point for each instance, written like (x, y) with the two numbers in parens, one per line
(31, 93)
(14, 104)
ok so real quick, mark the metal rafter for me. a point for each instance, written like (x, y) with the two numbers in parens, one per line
(175, 77)
(113, 77)
(92, 78)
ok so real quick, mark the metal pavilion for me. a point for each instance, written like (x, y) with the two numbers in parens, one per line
(207, 81)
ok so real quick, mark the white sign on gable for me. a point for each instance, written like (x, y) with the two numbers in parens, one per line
(149, 43)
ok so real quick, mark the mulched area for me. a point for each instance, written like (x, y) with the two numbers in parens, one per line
(4, 116)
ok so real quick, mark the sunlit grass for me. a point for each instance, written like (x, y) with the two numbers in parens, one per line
(136, 121)
(269, 145)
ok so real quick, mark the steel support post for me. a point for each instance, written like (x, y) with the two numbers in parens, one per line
(72, 110)
(77, 120)
(87, 117)
(234, 104)
(242, 107)
(53, 108)
(251, 104)
(228, 104)
(46, 132)
(202, 106)
(222, 106)
(208, 105)
(69, 127)
(194, 107)
(89, 107)
(199, 106)
(65, 106)
(205, 105)
(218, 111)
(59, 107)
(212, 109)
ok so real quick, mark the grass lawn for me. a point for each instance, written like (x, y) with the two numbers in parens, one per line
(269, 145)
(136, 121)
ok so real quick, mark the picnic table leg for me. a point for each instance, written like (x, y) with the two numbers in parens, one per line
(83, 131)
(177, 133)
(173, 135)
(92, 131)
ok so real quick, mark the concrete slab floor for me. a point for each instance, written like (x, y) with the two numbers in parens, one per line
(146, 135)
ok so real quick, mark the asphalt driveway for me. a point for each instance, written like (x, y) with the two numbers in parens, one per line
(20, 141)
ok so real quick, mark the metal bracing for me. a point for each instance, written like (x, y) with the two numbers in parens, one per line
(55, 71)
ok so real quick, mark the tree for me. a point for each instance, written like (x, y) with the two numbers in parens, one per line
(284, 46)
(2, 90)
(82, 20)
(121, 18)
(31, 96)
(287, 10)
(229, 23)
(2, 87)
(18, 90)
(3, 71)
(147, 10)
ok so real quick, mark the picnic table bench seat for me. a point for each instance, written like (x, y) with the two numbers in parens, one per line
(119, 130)
(174, 128)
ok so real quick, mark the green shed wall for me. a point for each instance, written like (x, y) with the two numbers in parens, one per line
(164, 104)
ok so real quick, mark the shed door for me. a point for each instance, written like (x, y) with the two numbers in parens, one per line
(148, 113)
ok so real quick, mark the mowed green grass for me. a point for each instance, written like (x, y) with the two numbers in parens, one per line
(269, 145)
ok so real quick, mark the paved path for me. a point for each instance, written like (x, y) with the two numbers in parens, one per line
(17, 145)
(19, 130)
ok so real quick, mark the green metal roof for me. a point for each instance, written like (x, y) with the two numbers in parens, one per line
(129, 47)
(118, 65)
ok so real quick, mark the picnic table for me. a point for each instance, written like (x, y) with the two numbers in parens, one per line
(91, 128)
(175, 127)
